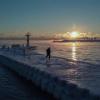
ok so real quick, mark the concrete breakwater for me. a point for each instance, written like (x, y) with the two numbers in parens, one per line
(61, 89)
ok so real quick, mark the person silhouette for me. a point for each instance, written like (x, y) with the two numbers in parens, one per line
(48, 53)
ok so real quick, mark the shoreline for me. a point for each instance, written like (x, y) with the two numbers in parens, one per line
(65, 41)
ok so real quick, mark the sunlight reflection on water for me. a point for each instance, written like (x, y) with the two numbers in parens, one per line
(74, 52)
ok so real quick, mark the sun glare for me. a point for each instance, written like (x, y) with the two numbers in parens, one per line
(74, 34)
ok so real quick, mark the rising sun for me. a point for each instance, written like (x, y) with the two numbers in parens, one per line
(74, 34)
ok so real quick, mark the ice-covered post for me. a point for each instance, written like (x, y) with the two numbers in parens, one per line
(28, 43)
(28, 39)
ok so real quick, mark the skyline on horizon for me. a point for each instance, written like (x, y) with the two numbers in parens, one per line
(47, 17)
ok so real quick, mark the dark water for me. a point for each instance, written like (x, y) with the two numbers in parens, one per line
(14, 87)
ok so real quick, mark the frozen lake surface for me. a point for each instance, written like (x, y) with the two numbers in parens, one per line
(14, 87)
(78, 63)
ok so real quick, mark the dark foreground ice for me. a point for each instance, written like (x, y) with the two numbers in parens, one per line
(14, 87)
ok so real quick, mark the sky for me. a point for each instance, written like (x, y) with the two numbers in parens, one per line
(42, 17)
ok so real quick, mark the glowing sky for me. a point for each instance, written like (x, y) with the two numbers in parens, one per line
(48, 16)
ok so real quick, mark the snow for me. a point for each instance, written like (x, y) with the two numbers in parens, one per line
(50, 75)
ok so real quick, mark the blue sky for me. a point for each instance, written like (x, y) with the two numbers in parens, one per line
(49, 16)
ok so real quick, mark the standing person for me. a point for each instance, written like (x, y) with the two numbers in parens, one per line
(48, 53)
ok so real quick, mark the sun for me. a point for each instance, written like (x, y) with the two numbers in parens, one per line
(74, 34)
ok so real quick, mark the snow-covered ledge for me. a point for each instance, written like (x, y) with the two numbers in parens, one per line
(61, 89)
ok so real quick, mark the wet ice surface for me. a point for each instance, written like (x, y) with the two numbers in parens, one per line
(14, 87)
(83, 74)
